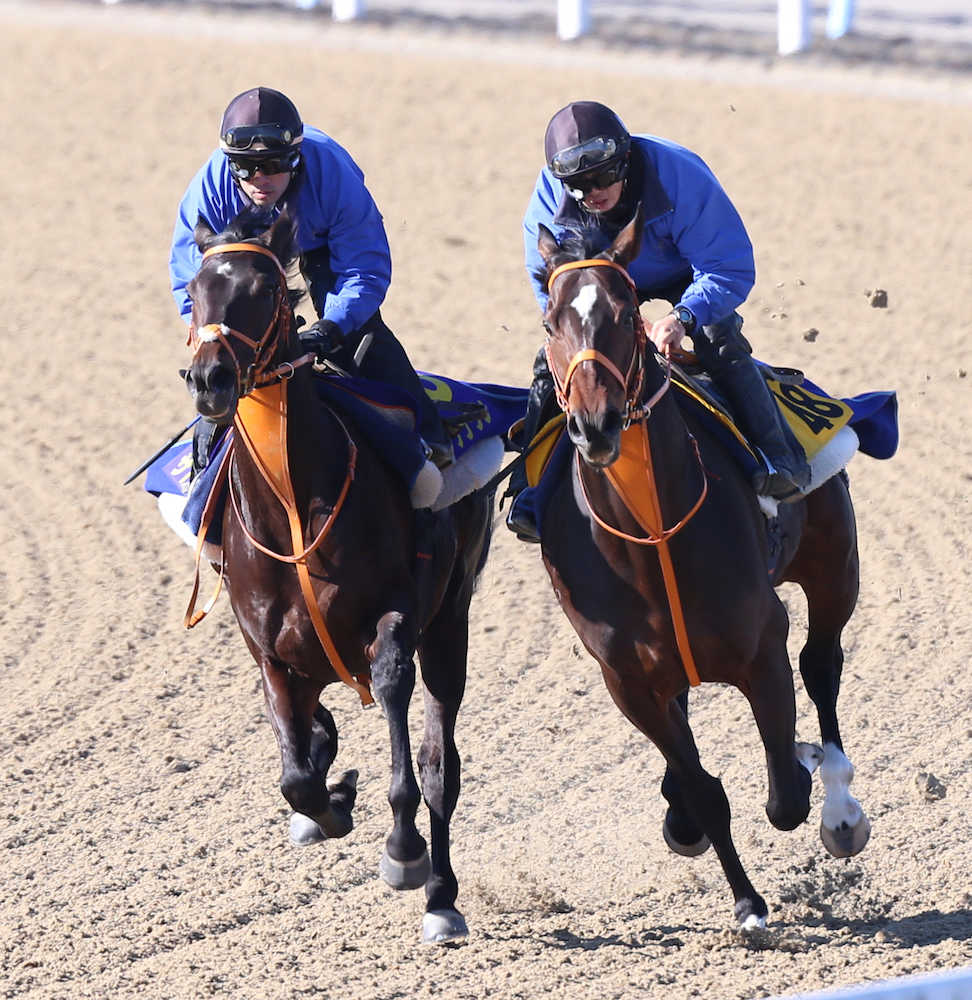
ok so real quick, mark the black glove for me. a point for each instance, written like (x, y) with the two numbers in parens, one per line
(324, 338)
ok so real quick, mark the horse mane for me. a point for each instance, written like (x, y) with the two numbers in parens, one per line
(250, 226)
(579, 242)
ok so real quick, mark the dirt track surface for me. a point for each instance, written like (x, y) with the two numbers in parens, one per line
(142, 836)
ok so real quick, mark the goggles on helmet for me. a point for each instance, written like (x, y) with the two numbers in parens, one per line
(243, 168)
(584, 156)
(240, 138)
(579, 187)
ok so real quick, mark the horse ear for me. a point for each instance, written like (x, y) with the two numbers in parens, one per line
(547, 244)
(626, 245)
(280, 237)
(203, 234)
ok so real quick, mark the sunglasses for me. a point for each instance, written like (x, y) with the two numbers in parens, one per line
(244, 169)
(579, 187)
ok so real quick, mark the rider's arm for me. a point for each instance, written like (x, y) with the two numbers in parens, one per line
(541, 209)
(710, 236)
(211, 195)
(337, 212)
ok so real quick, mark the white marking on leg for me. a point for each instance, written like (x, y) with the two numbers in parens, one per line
(840, 808)
(809, 755)
(584, 300)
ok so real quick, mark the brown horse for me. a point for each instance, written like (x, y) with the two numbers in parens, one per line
(318, 550)
(681, 592)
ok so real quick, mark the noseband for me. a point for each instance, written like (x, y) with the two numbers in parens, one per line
(632, 382)
(257, 373)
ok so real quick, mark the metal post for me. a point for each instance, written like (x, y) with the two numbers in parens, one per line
(840, 17)
(573, 19)
(347, 10)
(793, 26)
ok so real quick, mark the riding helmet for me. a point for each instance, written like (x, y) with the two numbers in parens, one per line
(260, 124)
(584, 136)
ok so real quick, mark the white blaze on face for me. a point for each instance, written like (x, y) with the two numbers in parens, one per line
(584, 301)
(226, 269)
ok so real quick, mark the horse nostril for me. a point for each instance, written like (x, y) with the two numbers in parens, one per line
(573, 427)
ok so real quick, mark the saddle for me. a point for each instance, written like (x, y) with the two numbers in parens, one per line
(475, 414)
(830, 429)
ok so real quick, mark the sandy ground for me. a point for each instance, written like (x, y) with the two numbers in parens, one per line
(144, 842)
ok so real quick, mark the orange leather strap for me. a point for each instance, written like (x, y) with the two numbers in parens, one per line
(651, 522)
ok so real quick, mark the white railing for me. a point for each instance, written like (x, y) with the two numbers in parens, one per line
(574, 19)
(954, 984)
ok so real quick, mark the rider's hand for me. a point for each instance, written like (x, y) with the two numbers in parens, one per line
(324, 338)
(666, 332)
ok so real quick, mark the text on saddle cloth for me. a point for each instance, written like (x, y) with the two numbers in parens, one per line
(815, 417)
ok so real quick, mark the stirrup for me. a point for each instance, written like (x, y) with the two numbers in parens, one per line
(440, 453)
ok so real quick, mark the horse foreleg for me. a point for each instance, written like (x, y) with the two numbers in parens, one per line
(307, 739)
(443, 658)
(405, 862)
(681, 832)
(702, 795)
(771, 696)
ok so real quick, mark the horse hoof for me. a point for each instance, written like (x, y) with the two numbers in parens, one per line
(304, 831)
(809, 755)
(848, 840)
(751, 914)
(443, 926)
(406, 874)
(686, 850)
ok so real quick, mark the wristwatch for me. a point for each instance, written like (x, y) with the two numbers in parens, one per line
(685, 316)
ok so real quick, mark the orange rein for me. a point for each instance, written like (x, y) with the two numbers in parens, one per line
(651, 522)
(258, 377)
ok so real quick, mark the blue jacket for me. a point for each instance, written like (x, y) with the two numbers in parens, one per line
(333, 209)
(692, 230)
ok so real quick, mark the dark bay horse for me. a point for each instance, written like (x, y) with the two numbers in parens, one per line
(679, 591)
(318, 551)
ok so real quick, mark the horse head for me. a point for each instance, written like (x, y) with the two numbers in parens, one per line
(242, 316)
(595, 338)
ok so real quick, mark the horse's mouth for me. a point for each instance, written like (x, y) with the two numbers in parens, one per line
(598, 447)
(214, 406)
(599, 458)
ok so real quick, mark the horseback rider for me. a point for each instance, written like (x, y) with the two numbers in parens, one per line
(268, 161)
(695, 254)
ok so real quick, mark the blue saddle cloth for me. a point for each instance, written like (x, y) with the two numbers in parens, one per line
(874, 419)
(384, 414)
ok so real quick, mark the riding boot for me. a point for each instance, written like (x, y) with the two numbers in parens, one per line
(204, 436)
(521, 518)
(384, 359)
(724, 354)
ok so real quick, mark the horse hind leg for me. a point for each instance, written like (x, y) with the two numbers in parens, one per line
(307, 739)
(827, 569)
(405, 861)
(443, 657)
(844, 827)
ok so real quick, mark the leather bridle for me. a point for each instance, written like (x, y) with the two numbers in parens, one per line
(257, 373)
(632, 382)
